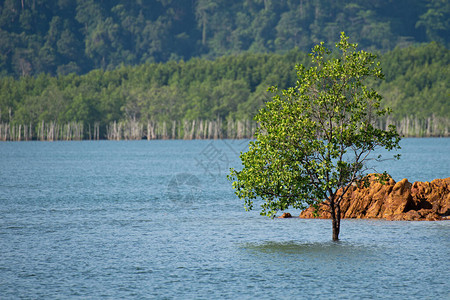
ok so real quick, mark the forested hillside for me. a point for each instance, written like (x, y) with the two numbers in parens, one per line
(203, 98)
(68, 36)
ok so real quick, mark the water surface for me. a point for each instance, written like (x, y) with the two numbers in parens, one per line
(158, 219)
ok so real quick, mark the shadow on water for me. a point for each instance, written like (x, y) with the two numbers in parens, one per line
(316, 249)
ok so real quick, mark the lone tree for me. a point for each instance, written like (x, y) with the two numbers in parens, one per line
(315, 138)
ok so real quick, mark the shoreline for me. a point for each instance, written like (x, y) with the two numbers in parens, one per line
(178, 139)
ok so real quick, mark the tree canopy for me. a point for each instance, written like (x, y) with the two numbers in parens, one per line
(230, 87)
(315, 138)
(62, 37)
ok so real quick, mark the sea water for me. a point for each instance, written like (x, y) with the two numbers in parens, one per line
(158, 219)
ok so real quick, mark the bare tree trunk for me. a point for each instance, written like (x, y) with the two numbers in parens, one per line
(12, 132)
(164, 131)
(336, 219)
(42, 131)
(217, 127)
(191, 135)
(174, 127)
(204, 30)
(200, 130)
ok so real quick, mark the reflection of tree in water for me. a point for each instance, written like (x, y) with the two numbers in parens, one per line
(184, 189)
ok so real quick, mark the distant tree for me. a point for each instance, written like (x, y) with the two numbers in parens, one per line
(204, 9)
(436, 21)
(315, 138)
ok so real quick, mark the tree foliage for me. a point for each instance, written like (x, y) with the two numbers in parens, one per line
(61, 37)
(230, 87)
(315, 138)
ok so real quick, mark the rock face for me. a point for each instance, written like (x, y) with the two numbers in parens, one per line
(285, 216)
(393, 201)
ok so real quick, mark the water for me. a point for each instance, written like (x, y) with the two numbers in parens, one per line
(159, 220)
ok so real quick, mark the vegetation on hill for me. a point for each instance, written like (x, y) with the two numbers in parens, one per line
(62, 36)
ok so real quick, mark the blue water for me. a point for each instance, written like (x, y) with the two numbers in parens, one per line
(159, 220)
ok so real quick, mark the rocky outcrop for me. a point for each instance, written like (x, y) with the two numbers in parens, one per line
(393, 201)
(285, 216)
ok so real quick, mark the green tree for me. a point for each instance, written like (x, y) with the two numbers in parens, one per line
(204, 8)
(436, 21)
(315, 138)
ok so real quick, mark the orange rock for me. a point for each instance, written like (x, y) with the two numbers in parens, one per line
(321, 213)
(285, 215)
(392, 201)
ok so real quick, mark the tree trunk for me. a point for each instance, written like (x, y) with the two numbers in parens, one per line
(204, 29)
(336, 219)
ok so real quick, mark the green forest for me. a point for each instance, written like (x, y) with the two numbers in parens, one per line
(66, 36)
(203, 98)
(164, 69)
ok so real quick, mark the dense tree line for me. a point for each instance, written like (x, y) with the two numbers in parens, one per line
(205, 98)
(417, 81)
(63, 36)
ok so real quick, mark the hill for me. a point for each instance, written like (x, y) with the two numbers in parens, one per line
(63, 36)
